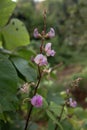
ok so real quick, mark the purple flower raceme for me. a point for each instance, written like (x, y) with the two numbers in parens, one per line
(37, 101)
(51, 33)
(40, 60)
(48, 50)
(72, 103)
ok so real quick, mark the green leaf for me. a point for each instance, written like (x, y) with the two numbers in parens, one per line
(15, 34)
(81, 113)
(33, 126)
(45, 104)
(26, 52)
(55, 97)
(56, 109)
(52, 117)
(23, 67)
(51, 126)
(8, 84)
(67, 125)
(6, 8)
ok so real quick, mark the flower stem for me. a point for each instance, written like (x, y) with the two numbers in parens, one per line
(39, 71)
(59, 118)
(45, 20)
(27, 121)
(31, 107)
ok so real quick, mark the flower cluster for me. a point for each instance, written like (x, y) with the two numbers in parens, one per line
(40, 59)
(72, 102)
(50, 34)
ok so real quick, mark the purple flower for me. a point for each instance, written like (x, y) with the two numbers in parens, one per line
(72, 103)
(48, 50)
(48, 47)
(51, 33)
(40, 60)
(52, 53)
(37, 101)
(36, 33)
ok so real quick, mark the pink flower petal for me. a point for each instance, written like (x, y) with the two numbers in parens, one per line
(51, 33)
(36, 33)
(40, 60)
(48, 50)
(37, 101)
(48, 47)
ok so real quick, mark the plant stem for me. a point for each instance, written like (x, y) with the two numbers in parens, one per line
(44, 31)
(31, 107)
(41, 47)
(59, 118)
(39, 71)
(27, 121)
(45, 20)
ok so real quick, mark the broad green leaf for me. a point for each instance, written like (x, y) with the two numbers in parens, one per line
(6, 8)
(85, 124)
(45, 104)
(75, 123)
(51, 126)
(25, 52)
(15, 34)
(55, 97)
(17, 125)
(33, 126)
(56, 109)
(81, 113)
(53, 118)
(67, 125)
(8, 84)
(23, 67)
(2, 117)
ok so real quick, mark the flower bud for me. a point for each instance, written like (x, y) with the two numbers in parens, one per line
(25, 88)
(51, 33)
(37, 101)
(36, 33)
